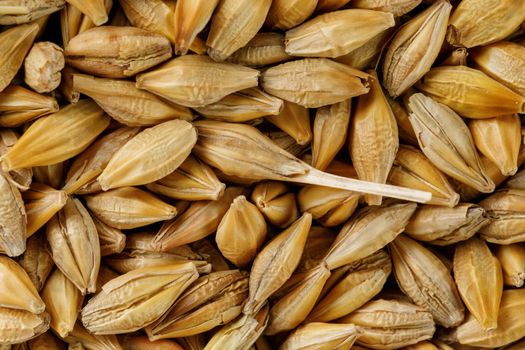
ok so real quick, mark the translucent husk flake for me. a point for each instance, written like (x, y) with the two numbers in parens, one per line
(73, 127)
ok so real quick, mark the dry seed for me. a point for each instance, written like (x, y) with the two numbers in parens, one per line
(405, 130)
(502, 61)
(362, 282)
(446, 141)
(243, 151)
(211, 301)
(314, 82)
(373, 138)
(73, 127)
(427, 281)
(116, 52)
(13, 218)
(512, 260)
(498, 20)
(17, 292)
(136, 299)
(94, 9)
(21, 178)
(366, 55)
(190, 18)
(396, 7)
(322, 336)
(112, 240)
(211, 254)
(443, 226)
(37, 261)
(18, 326)
(74, 245)
(265, 48)
(506, 211)
(141, 342)
(293, 308)
(458, 57)
(14, 44)
(295, 121)
(63, 303)
(91, 341)
(242, 106)
(329, 206)
(412, 169)
(285, 14)
(330, 5)
(129, 207)
(479, 278)
(470, 92)
(127, 104)
(369, 230)
(196, 81)
(192, 180)
(23, 11)
(88, 165)
(499, 139)
(41, 203)
(200, 220)
(150, 155)
(415, 47)
(329, 133)
(42, 66)
(391, 324)
(276, 263)
(46, 341)
(325, 35)
(510, 324)
(240, 333)
(276, 203)
(241, 232)
(19, 105)
(234, 24)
